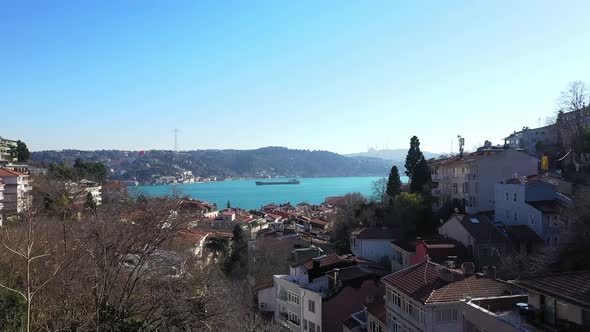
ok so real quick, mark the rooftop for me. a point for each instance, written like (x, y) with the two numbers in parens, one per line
(376, 233)
(480, 227)
(570, 287)
(547, 206)
(429, 282)
(10, 173)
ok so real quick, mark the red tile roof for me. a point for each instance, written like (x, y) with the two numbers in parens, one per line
(472, 287)
(10, 173)
(328, 260)
(423, 283)
(571, 287)
(195, 236)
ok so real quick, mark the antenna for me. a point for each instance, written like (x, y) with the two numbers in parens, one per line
(461, 144)
(175, 140)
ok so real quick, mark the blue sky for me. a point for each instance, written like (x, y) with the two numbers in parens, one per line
(330, 75)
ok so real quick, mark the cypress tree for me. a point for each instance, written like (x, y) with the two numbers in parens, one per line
(394, 184)
(416, 166)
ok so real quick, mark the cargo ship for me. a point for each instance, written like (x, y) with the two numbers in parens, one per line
(264, 183)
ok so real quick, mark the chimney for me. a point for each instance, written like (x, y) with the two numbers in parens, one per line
(468, 268)
(315, 263)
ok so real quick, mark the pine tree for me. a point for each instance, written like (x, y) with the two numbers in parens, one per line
(394, 184)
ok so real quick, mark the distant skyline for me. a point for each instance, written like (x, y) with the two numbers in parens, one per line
(320, 75)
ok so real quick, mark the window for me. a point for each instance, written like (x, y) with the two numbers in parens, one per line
(312, 327)
(464, 187)
(455, 188)
(374, 327)
(532, 218)
(305, 324)
(484, 251)
(515, 197)
(507, 195)
(294, 318)
(554, 220)
(515, 216)
(446, 315)
(311, 306)
(292, 297)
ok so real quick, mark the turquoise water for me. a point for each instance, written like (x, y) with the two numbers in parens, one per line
(247, 195)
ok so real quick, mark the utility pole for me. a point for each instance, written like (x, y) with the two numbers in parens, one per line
(175, 140)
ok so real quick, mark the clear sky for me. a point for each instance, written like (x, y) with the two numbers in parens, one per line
(330, 75)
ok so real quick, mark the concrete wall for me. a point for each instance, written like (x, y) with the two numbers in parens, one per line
(453, 229)
(373, 250)
(315, 317)
(432, 325)
(484, 320)
(493, 169)
(266, 299)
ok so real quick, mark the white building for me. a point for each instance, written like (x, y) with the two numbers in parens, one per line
(469, 181)
(373, 243)
(1, 202)
(5, 145)
(427, 297)
(17, 196)
(534, 203)
(298, 296)
(79, 191)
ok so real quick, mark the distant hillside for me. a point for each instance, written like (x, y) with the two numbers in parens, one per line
(397, 155)
(264, 162)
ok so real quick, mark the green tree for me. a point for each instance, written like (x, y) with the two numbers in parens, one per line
(394, 184)
(239, 251)
(218, 246)
(417, 167)
(90, 203)
(20, 152)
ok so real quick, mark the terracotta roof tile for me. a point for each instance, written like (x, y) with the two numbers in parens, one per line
(10, 173)
(423, 283)
(573, 287)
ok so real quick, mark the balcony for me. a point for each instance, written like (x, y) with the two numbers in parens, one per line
(537, 318)
(292, 324)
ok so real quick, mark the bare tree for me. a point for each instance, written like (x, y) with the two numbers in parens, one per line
(380, 190)
(574, 98)
(39, 256)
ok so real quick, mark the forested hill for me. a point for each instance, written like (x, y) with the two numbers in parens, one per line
(269, 161)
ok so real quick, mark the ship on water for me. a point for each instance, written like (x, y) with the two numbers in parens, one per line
(264, 183)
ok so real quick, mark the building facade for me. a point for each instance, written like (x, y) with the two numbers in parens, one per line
(469, 181)
(17, 196)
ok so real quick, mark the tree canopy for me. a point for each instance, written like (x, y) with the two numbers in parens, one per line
(20, 152)
(416, 167)
(394, 184)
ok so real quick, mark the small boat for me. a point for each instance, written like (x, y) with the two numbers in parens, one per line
(264, 183)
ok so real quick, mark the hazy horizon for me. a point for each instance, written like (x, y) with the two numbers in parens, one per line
(335, 75)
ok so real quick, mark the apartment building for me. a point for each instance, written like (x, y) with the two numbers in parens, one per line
(80, 190)
(1, 202)
(558, 302)
(298, 297)
(536, 204)
(468, 181)
(530, 139)
(427, 296)
(17, 196)
(5, 146)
